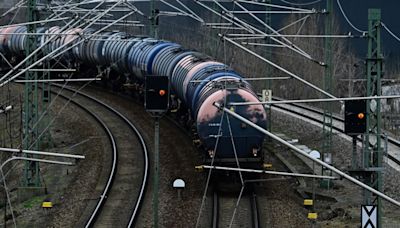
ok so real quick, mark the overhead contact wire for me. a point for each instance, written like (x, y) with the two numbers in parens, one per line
(347, 19)
(300, 4)
(390, 32)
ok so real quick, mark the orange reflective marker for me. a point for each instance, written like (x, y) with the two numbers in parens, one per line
(360, 115)
(162, 92)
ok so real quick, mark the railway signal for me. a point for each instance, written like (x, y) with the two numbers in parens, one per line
(355, 117)
(157, 94)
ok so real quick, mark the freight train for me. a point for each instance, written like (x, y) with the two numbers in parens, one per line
(195, 79)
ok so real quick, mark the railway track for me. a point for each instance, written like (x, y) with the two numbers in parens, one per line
(315, 115)
(245, 214)
(121, 193)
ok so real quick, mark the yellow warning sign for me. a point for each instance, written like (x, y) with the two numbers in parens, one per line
(47, 204)
(312, 216)
(308, 202)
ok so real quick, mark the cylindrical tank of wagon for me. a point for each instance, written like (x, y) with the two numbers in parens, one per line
(136, 56)
(210, 83)
(180, 72)
(1, 41)
(164, 58)
(70, 39)
(247, 141)
(153, 53)
(40, 30)
(196, 73)
(17, 40)
(143, 53)
(116, 58)
(123, 55)
(7, 32)
(109, 46)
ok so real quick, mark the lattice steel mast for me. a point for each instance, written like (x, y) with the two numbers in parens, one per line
(327, 85)
(372, 151)
(30, 111)
(268, 55)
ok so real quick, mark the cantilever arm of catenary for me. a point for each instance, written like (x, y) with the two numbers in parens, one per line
(278, 67)
(288, 43)
(43, 153)
(64, 50)
(251, 29)
(72, 23)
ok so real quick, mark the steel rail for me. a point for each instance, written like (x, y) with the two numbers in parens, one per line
(111, 177)
(140, 197)
(216, 207)
(254, 209)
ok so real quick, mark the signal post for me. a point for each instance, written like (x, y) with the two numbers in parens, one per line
(364, 118)
(156, 104)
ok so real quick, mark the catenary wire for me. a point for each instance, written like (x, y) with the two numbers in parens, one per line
(300, 4)
(347, 19)
(390, 32)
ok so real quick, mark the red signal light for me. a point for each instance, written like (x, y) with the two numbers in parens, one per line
(162, 92)
(360, 115)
